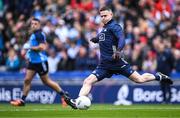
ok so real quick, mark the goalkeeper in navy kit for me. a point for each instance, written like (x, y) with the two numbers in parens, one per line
(111, 42)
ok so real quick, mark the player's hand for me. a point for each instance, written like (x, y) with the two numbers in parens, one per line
(94, 40)
(116, 55)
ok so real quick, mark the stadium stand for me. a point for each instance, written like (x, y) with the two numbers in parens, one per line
(70, 25)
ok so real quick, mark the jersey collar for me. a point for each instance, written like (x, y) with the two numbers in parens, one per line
(39, 30)
(109, 22)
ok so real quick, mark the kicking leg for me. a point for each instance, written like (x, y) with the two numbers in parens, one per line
(90, 80)
(87, 85)
(86, 88)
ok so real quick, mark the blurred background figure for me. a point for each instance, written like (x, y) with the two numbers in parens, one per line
(150, 63)
(165, 65)
(71, 24)
(53, 60)
(12, 62)
(177, 60)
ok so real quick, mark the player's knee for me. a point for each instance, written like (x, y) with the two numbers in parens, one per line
(45, 82)
(139, 80)
(87, 81)
(27, 81)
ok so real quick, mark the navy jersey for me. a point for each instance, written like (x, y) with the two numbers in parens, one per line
(111, 35)
(35, 39)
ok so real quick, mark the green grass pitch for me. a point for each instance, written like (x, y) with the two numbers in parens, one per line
(95, 111)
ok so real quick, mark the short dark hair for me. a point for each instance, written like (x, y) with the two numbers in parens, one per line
(36, 19)
(105, 8)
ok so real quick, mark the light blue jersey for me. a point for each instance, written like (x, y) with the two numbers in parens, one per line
(35, 39)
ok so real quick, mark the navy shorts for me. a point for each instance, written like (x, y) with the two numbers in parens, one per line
(102, 73)
(40, 68)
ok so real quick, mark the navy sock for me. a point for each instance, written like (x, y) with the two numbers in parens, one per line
(61, 93)
(23, 97)
(158, 77)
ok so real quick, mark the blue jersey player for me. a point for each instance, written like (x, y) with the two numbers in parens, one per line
(35, 53)
(111, 42)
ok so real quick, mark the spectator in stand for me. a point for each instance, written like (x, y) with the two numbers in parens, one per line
(165, 65)
(53, 60)
(150, 63)
(136, 58)
(72, 52)
(92, 60)
(81, 60)
(64, 63)
(78, 21)
(177, 60)
(12, 62)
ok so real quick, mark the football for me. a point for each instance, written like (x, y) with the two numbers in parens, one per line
(83, 102)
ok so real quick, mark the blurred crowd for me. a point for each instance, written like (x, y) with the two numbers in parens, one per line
(151, 28)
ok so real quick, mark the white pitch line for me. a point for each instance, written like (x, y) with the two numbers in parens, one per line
(3, 110)
(91, 109)
(144, 108)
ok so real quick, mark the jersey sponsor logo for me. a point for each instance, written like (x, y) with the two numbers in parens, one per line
(102, 37)
(124, 61)
(123, 66)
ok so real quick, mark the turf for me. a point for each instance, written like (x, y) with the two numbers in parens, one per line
(95, 111)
